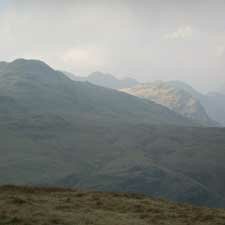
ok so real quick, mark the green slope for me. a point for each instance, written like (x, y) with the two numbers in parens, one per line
(60, 132)
(38, 206)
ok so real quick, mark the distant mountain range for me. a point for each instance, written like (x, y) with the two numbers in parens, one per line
(214, 103)
(3, 65)
(105, 80)
(176, 98)
(55, 131)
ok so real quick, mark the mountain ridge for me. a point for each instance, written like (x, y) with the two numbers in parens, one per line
(104, 80)
(57, 131)
(214, 105)
(171, 95)
(214, 102)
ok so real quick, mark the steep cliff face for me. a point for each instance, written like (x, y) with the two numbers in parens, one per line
(176, 99)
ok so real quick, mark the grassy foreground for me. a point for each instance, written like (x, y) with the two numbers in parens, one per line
(51, 206)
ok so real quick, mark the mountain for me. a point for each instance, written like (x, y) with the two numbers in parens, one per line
(73, 76)
(109, 81)
(214, 103)
(184, 86)
(3, 65)
(172, 95)
(208, 109)
(55, 131)
(36, 87)
(105, 80)
(33, 205)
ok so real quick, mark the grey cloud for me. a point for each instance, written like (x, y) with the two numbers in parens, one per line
(122, 37)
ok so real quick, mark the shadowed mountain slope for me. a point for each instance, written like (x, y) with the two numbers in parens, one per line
(55, 131)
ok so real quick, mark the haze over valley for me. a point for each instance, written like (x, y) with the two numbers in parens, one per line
(112, 112)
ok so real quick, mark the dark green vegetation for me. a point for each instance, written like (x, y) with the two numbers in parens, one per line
(42, 206)
(55, 131)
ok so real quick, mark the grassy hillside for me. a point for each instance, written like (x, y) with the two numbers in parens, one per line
(41, 206)
(55, 131)
(32, 87)
(115, 157)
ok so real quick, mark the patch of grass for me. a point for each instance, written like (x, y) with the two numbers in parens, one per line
(52, 206)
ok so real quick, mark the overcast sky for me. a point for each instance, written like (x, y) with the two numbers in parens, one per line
(147, 40)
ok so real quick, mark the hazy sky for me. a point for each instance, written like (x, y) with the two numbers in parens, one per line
(147, 40)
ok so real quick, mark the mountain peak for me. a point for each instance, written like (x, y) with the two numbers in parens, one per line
(177, 96)
(28, 65)
(3, 65)
(29, 70)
